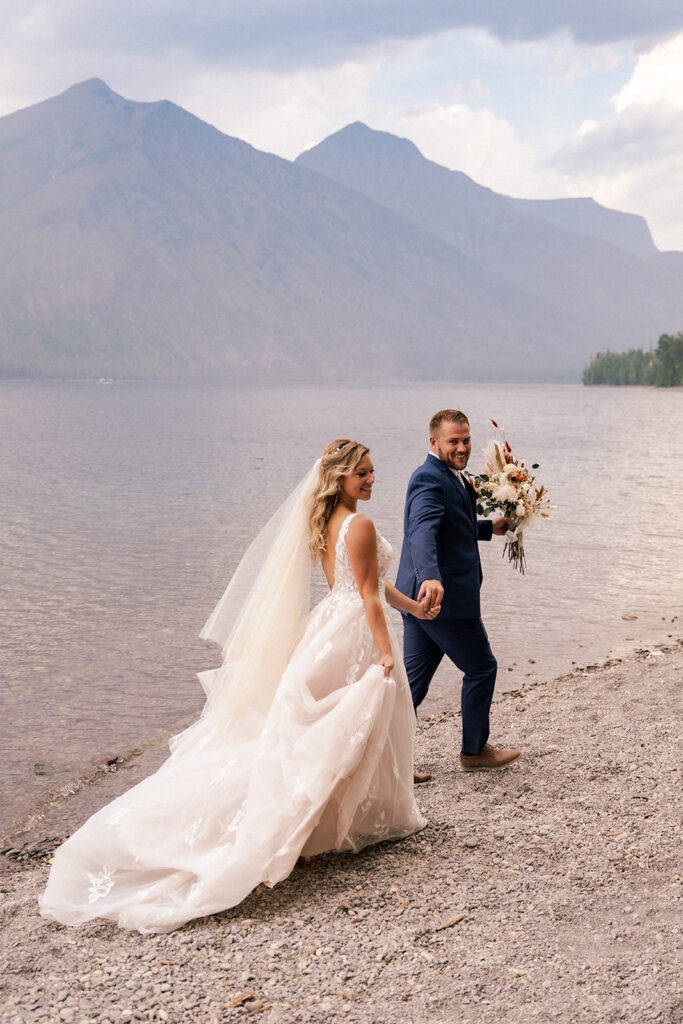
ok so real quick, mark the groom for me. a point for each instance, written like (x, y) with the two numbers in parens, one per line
(440, 562)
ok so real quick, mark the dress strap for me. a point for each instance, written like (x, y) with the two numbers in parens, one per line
(343, 529)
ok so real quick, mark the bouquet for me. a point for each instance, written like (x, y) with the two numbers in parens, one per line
(508, 487)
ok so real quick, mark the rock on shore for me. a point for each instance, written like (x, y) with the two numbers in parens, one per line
(550, 891)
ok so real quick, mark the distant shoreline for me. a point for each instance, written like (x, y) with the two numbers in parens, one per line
(265, 382)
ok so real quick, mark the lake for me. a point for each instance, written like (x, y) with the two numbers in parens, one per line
(125, 508)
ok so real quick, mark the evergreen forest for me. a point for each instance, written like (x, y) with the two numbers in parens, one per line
(661, 367)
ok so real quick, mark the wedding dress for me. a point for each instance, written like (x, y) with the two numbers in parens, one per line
(328, 765)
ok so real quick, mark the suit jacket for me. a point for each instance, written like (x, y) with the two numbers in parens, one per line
(440, 539)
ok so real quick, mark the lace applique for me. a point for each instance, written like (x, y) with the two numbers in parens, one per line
(344, 580)
(361, 734)
(363, 644)
(381, 826)
(193, 832)
(324, 651)
(368, 802)
(299, 796)
(239, 817)
(100, 885)
(345, 592)
(225, 771)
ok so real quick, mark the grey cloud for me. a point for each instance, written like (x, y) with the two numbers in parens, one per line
(278, 34)
(640, 135)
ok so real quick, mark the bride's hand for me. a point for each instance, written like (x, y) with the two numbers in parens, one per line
(422, 613)
(387, 663)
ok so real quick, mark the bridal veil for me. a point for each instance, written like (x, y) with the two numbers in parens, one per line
(258, 621)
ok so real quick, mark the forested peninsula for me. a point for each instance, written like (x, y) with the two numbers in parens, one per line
(662, 367)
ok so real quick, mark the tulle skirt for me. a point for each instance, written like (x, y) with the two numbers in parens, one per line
(330, 769)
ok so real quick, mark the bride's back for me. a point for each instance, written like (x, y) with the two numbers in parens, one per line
(328, 557)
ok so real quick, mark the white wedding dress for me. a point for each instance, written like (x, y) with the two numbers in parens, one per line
(330, 769)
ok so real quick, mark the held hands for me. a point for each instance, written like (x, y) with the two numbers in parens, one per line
(430, 597)
(422, 612)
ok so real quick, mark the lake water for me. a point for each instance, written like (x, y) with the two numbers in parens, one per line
(126, 507)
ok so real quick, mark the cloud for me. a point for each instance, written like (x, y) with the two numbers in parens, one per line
(258, 34)
(283, 114)
(634, 159)
(657, 77)
(640, 135)
(534, 98)
(477, 142)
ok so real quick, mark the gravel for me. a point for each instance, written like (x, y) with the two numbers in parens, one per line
(549, 891)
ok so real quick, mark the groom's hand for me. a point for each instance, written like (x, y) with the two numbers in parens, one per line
(431, 594)
(501, 526)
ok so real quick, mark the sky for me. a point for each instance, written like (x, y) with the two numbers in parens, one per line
(533, 98)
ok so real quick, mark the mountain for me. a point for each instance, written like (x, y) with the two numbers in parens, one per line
(626, 231)
(623, 298)
(138, 241)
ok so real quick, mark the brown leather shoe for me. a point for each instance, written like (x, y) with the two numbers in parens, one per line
(419, 777)
(488, 759)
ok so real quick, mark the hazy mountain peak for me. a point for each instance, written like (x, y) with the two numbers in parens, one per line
(358, 139)
(392, 171)
(93, 87)
(94, 92)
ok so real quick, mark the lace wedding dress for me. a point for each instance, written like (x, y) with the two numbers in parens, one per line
(331, 768)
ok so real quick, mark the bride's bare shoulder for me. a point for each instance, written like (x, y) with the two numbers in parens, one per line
(359, 521)
(361, 530)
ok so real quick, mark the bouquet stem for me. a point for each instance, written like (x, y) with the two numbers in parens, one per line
(514, 549)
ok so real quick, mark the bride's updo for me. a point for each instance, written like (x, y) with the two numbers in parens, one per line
(339, 459)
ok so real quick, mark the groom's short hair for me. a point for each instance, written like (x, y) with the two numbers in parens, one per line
(446, 416)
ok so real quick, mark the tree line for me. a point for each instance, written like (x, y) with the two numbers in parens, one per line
(662, 366)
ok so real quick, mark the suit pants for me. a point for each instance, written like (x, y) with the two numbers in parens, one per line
(466, 643)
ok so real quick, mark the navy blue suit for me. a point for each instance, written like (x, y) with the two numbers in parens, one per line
(440, 542)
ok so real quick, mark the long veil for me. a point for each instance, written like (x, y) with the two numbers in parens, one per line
(258, 622)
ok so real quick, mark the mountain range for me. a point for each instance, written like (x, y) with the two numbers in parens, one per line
(138, 241)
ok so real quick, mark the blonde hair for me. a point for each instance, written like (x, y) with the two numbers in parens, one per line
(339, 459)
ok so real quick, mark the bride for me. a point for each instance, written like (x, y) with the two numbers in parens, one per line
(305, 743)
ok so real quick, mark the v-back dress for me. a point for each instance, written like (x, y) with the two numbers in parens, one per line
(331, 770)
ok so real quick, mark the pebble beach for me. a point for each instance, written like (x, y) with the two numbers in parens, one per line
(549, 891)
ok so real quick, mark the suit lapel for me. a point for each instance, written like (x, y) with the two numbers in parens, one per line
(472, 495)
(465, 494)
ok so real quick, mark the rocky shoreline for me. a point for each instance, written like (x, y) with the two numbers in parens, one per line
(550, 891)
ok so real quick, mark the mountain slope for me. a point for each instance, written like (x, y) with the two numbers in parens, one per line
(139, 241)
(623, 300)
(625, 231)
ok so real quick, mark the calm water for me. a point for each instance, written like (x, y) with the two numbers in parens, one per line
(126, 507)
